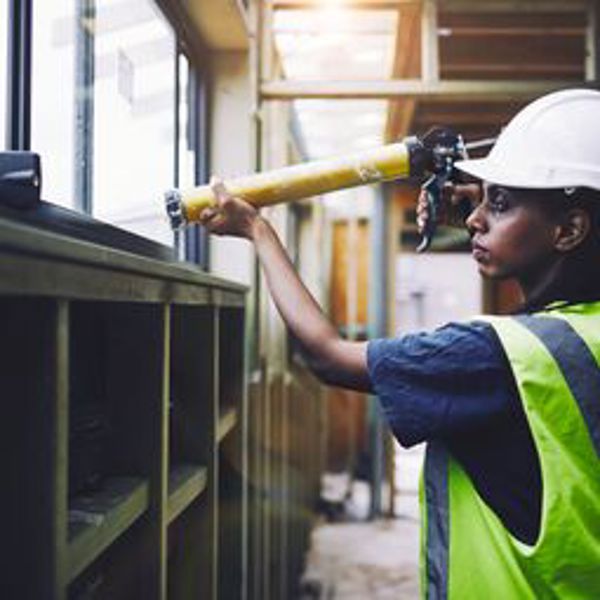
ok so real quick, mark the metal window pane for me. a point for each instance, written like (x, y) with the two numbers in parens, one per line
(3, 73)
(134, 117)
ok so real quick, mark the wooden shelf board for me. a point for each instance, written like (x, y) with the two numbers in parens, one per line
(96, 520)
(227, 421)
(186, 483)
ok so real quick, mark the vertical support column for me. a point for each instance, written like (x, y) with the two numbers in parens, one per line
(284, 590)
(252, 543)
(379, 324)
(267, 42)
(245, 475)
(18, 106)
(352, 333)
(352, 281)
(214, 456)
(60, 454)
(162, 465)
(429, 43)
(592, 61)
(197, 246)
(266, 490)
(395, 222)
(384, 232)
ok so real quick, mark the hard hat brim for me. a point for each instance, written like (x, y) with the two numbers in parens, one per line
(542, 177)
(487, 170)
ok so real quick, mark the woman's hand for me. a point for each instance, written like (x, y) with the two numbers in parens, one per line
(457, 202)
(231, 216)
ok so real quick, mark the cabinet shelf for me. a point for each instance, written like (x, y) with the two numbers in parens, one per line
(96, 520)
(227, 421)
(186, 483)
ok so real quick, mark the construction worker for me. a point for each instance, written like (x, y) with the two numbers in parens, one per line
(509, 406)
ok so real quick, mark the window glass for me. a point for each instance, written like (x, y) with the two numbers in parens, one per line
(186, 175)
(53, 97)
(3, 73)
(134, 117)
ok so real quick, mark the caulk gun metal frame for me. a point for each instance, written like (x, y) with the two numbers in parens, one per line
(446, 148)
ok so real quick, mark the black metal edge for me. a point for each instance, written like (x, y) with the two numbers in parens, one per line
(58, 219)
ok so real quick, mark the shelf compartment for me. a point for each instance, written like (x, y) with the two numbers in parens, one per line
(186, 483)
(97, 520)
(231, 357)
(227, 421)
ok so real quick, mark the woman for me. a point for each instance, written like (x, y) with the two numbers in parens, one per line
(509, 406)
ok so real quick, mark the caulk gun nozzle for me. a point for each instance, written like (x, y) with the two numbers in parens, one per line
(175, 210)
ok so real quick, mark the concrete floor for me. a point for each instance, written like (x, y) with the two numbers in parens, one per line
(353, 559)
(363, 561)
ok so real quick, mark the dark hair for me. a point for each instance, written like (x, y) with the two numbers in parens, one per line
(561, 200)
(578, 279)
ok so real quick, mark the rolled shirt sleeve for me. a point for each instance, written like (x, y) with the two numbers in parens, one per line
(438, 384)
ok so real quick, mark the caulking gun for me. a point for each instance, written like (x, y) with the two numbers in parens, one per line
(430, 159)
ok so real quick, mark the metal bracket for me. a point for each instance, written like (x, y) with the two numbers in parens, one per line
(20, 179)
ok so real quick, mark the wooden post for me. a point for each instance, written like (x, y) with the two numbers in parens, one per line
(592, 62)
(430, 70)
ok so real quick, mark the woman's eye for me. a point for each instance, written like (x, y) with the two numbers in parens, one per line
(498, 203)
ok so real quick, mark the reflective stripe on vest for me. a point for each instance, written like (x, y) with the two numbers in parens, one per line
(577, 364)
(438, 529)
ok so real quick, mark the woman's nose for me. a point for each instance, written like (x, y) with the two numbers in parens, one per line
(476, 220)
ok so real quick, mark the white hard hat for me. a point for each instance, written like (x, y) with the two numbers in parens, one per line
(554, 142)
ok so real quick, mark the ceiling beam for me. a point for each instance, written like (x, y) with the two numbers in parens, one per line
(470, 31)
(516, 6)
(464, 118)
(408, 88)
(449, 6)
(353, 4)
(510, 68)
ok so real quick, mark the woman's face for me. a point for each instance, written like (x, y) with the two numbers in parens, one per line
(511, 235)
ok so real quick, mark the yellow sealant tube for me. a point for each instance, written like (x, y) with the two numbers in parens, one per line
(392, 161)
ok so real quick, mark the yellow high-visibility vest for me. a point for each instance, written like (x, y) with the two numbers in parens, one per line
(467, 552)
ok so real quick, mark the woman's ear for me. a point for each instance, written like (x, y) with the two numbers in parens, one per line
(572, 230)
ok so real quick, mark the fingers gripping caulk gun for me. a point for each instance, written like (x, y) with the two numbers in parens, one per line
(431, 157)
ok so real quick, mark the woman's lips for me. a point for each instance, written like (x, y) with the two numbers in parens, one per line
(479, 252)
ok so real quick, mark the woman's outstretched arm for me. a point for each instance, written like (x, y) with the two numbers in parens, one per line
(334, 360)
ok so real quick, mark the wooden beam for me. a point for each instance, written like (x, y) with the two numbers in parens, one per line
(408, 88)
(407, 63)
(512, 68)
(356, 28)
(353, 4)
(516, 6)
(484, 31)
(464, 118)
(592, 63)
(430, 52)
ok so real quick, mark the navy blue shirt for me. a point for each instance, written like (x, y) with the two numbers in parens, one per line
(455, 384)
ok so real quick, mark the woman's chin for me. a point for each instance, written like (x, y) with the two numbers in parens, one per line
(488, 271)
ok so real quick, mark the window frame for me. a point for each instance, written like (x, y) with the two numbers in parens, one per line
(18, 80)
(78, 223)
(196, 246)
(195, 240)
